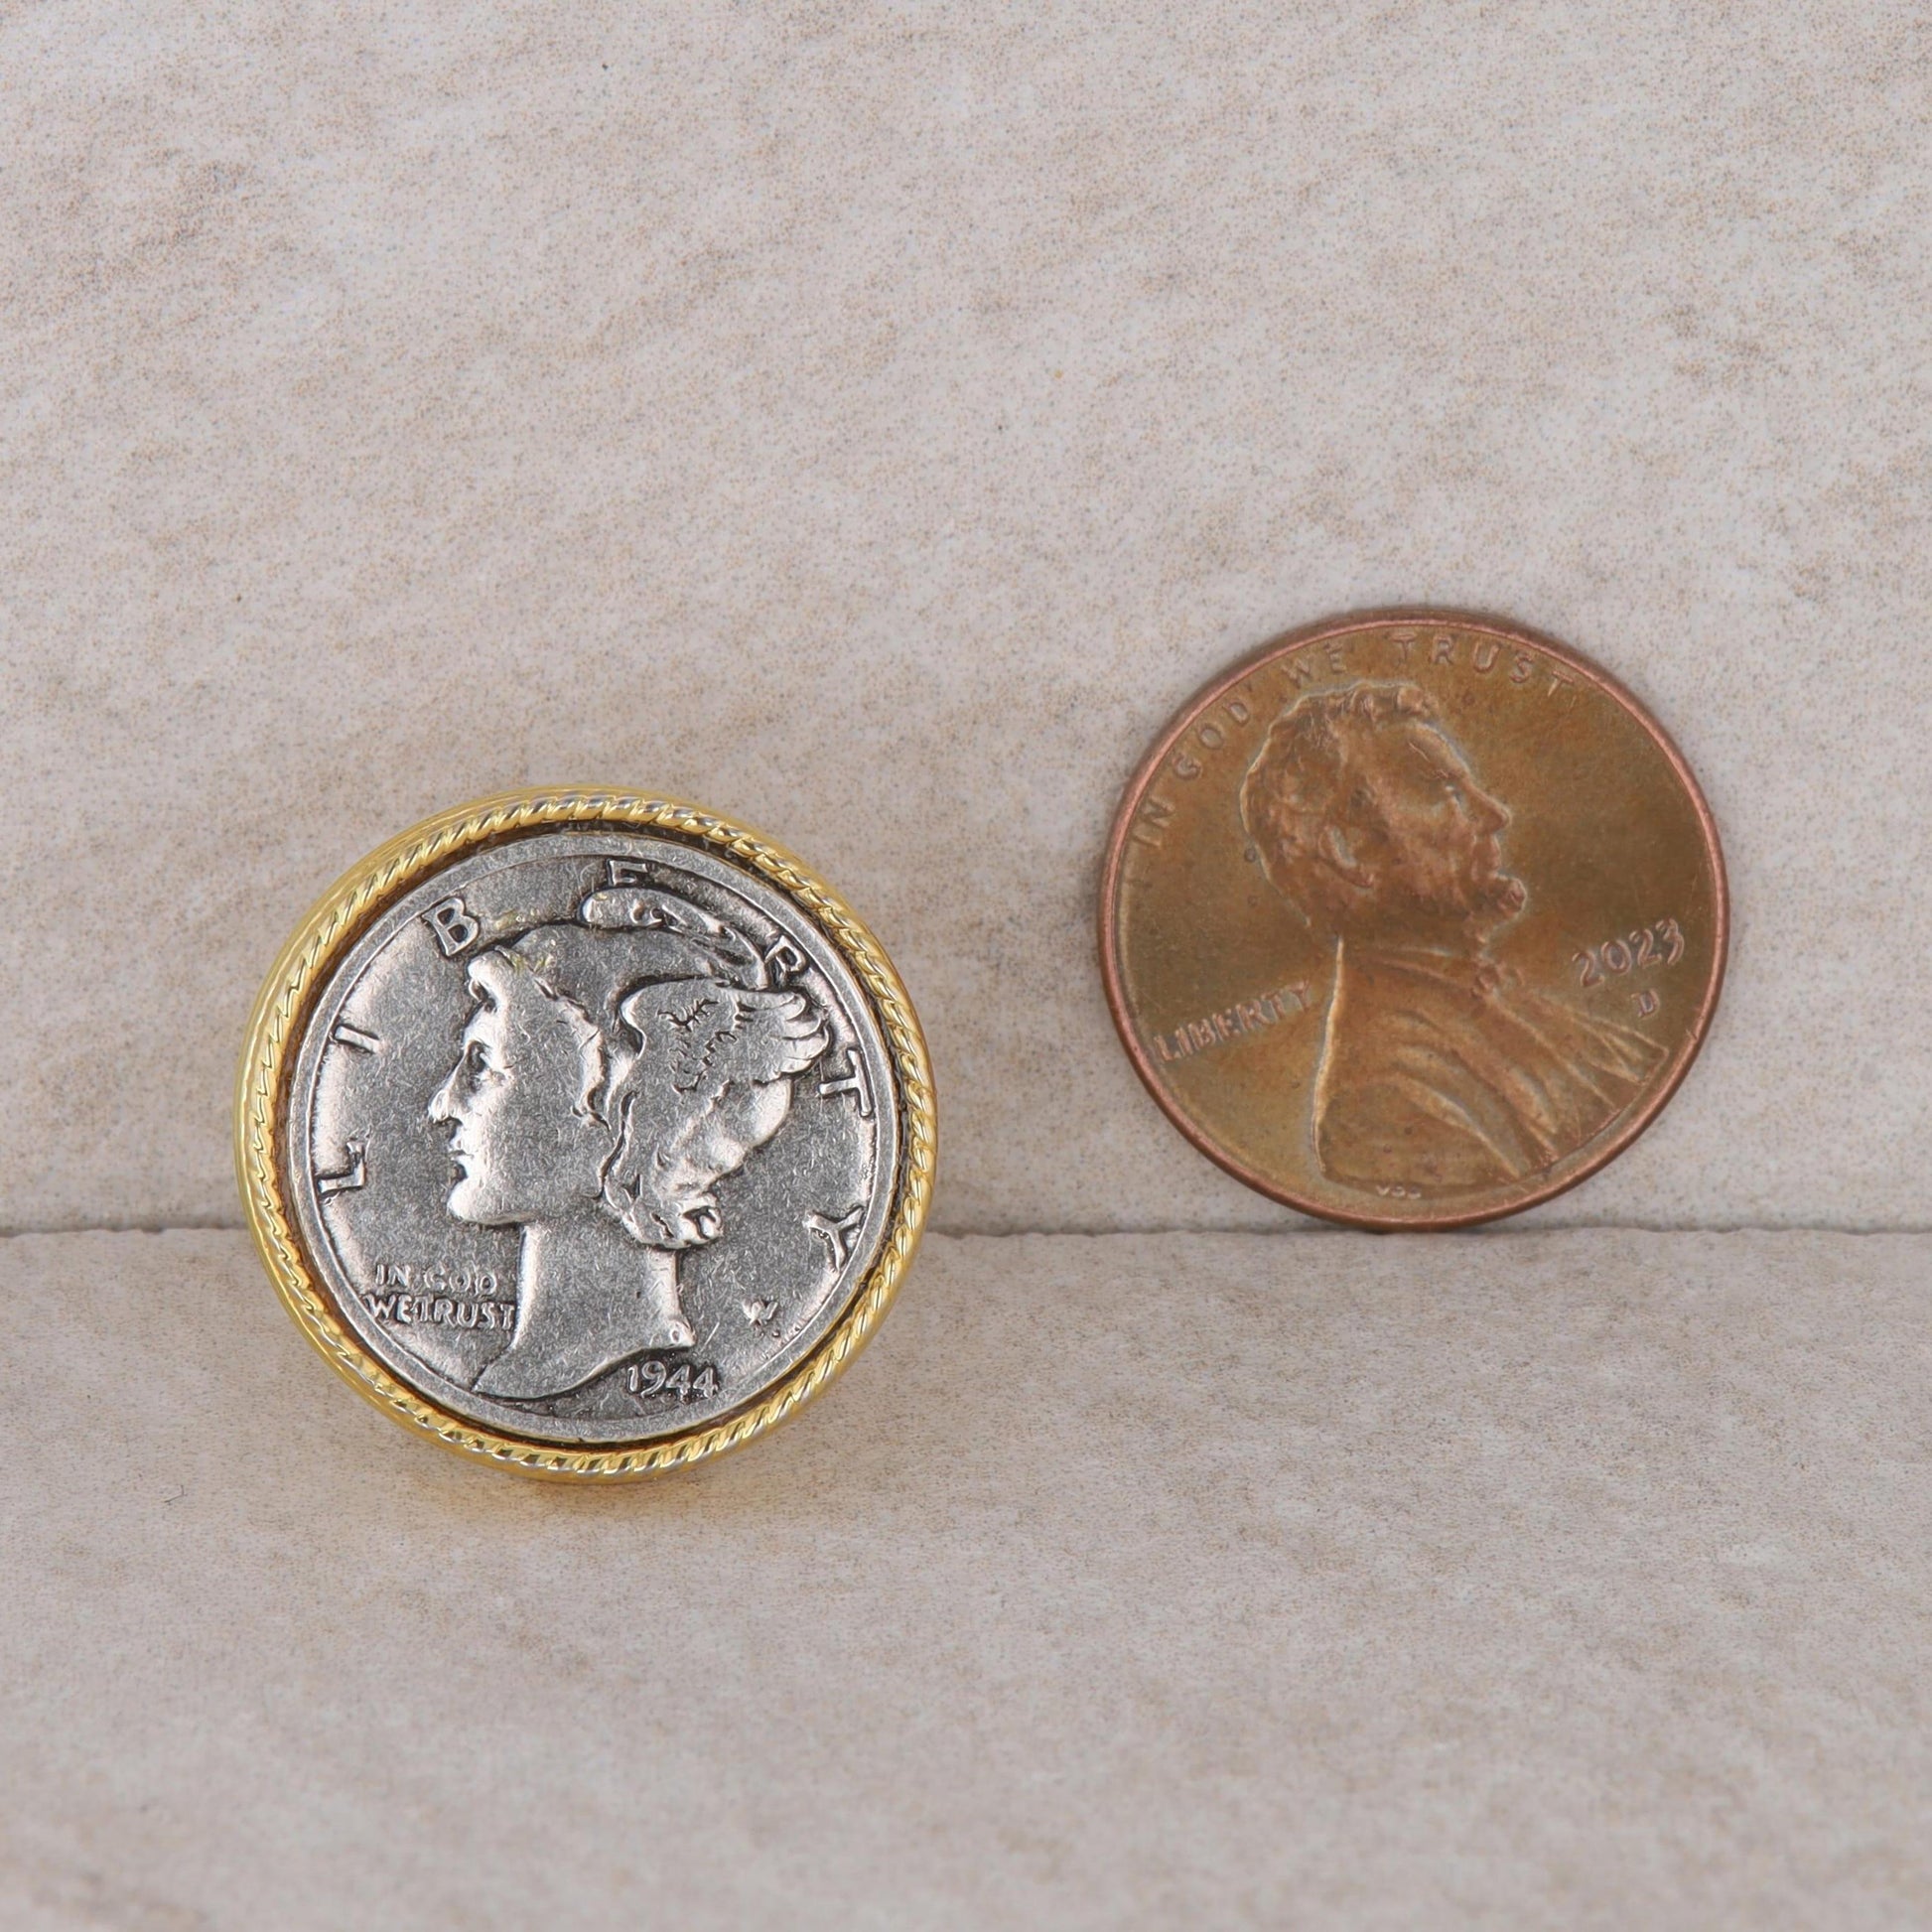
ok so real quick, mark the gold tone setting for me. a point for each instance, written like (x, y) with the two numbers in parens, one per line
(346, 909)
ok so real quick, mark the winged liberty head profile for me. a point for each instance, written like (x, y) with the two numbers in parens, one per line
(615, 1068)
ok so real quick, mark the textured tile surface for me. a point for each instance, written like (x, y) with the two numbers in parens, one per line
(872, 421)
(1313, 1580)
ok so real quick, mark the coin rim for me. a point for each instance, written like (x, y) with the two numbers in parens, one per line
(1150, 768)
(282, 1010)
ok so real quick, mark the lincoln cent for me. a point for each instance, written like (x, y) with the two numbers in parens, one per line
(1413, 920)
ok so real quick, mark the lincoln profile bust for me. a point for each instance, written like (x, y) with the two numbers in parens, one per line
(616, 1067)
(1440, 1066)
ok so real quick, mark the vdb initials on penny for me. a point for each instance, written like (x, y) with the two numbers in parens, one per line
(1413, 920)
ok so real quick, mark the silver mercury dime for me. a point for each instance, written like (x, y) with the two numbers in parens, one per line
(585, 1131)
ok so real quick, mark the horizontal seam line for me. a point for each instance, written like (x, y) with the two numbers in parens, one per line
(1311, 1228)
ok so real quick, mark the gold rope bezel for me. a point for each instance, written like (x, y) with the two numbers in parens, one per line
(338, 918)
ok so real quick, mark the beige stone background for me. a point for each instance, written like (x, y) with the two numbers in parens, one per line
(1560, 1579)
(872, 421)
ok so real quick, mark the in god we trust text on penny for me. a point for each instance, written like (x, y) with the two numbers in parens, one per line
(1413, 920)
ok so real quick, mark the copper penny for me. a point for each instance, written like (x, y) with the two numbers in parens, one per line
(1413, 920)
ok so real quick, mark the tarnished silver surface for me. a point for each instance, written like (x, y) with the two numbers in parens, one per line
(593, 1137)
